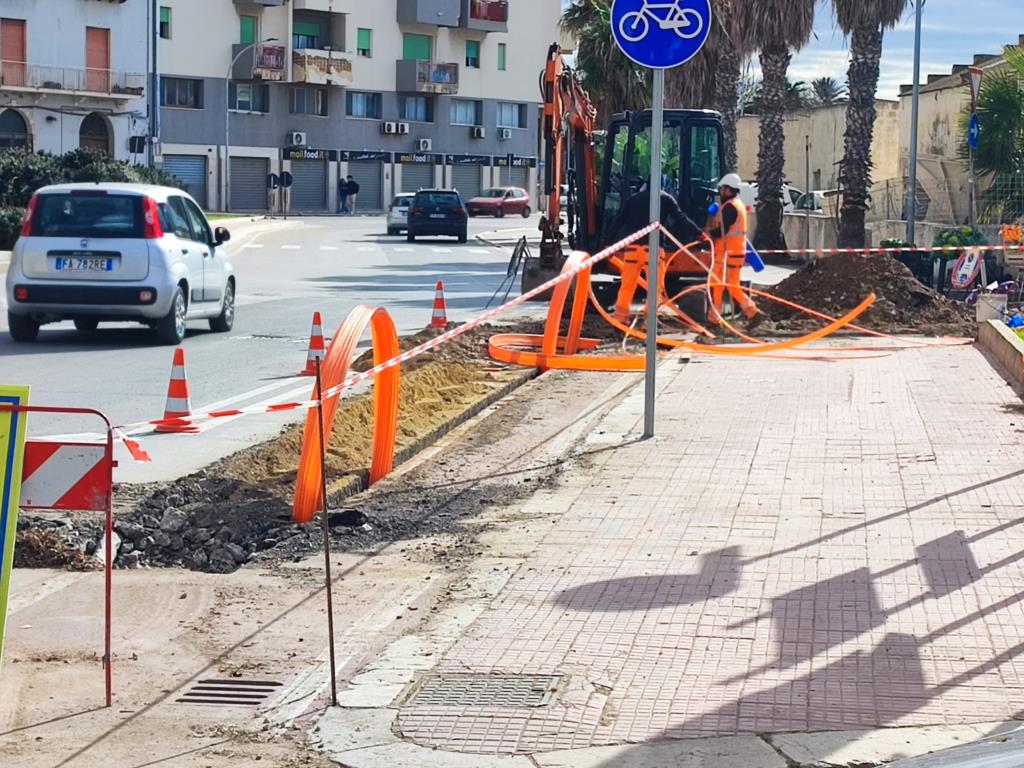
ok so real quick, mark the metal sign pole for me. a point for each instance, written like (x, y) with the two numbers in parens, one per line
(653, 256)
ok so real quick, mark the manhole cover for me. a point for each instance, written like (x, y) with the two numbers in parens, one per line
(230, 693)
(486, 691)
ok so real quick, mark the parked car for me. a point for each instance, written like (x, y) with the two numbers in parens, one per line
(823, 201)
(398, 213)
(93, 253)
(437, 212)
(499, 201)
(790, 196)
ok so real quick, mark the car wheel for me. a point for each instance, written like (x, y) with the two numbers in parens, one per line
(225, 321)
(170, 328)
(85, 325)
(22, 329)
(499, 213)
(527, 212)
(392, 231)
(410, 237)
(463, 237)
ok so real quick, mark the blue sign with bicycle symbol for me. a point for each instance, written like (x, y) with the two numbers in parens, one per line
(661, 34)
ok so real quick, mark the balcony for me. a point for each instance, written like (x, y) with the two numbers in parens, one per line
(441, 13)
(325, 6)
(485, 15)
(267, 3)
(103, 83)
(262, 62)
(321, 67)
(414, 76)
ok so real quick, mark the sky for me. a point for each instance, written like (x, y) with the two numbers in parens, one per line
(952, 32)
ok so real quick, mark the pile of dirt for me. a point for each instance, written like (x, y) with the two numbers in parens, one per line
(46, 548)
(837, 284)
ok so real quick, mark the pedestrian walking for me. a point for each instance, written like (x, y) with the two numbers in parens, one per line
(343, 195)
(353, 193)
(730, 238)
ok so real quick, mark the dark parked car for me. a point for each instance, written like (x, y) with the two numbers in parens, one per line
(437, 212)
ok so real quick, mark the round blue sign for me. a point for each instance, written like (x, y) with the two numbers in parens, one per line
(974, 131)
(660, 34)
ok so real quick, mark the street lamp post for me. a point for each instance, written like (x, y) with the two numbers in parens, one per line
(914, 113)
(227, 120)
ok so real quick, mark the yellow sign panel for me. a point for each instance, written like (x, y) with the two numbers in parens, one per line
(12, 452)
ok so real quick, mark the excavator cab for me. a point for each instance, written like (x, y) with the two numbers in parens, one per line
(691, 166)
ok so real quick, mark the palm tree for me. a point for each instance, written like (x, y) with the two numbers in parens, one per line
(615, 83)
(776, 28)
(864, 22)
(735, 48)
(1000, 154)
(828, 91)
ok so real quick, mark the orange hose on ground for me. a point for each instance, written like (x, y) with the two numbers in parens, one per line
(334, 371)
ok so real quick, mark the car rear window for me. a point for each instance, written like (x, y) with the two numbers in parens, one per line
(438, 198)
(403, 202)
(96, 216)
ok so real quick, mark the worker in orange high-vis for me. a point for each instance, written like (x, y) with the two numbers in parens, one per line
(730, 238)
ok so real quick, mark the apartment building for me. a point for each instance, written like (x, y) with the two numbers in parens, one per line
(400, 94)
(73, 74)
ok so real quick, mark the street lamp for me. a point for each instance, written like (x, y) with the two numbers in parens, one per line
(227, 119)
(911, 205)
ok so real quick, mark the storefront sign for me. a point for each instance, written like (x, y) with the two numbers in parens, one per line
(420, 158)
(515, 161)
(467, 159)
(348, 156)
(320, 68)
(305, 153)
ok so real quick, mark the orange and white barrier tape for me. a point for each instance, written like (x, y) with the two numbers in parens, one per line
(870, 251)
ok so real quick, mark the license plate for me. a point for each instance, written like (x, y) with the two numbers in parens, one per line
(84, 264)
(437, 215)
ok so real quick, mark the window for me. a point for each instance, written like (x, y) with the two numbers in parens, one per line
(309, 101)
(365, 105)
(181, 92)
(417, 109)
(502, 57)
(173, 219)
(465, 112)
(306, 34)
(364, 42)
(12, 43)
(705, 163)
(249, 97)
(248, 29)
(511, 115)
(473, 54)
(106, 216)
(165, 22)
(417, 47)
(200, 229)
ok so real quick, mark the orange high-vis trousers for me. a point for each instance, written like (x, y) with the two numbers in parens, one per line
(732, 268)
(634, 260)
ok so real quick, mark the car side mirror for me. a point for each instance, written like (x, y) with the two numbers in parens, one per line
(221, 236)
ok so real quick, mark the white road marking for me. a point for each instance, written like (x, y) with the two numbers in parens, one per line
(290, 247)
(404, 250)
(252, 245)
(368, 248)
(441, 250)
(479, 250)
(328, 247)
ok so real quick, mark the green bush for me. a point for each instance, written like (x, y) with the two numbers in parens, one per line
(959, 236)
(10, 226)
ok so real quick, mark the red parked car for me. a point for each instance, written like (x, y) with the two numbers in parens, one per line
(499, 201)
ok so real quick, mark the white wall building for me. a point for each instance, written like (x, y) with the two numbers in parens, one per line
(73, 74)
(400, 94)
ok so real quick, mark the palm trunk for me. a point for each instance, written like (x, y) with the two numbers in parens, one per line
(727, 97)
(771, 156)
(855, 176)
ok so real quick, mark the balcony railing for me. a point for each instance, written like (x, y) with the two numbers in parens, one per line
(416, 76)
(485, 15)
(321, 67)
(260, 62)
(18, 74)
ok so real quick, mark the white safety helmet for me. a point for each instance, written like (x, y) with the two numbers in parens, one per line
(731, 180)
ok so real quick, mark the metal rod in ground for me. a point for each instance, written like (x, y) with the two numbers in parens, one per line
(653, 276)
(108, 570)
(328, 583)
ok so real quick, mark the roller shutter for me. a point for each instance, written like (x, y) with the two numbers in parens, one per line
(309, 190)
(249, 183)
(190, 170)
(466, 179)
(370, 177)
(521, 178)
(417, 177)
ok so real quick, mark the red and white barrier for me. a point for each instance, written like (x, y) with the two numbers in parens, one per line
(73, 476)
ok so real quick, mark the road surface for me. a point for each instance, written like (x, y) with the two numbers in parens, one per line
(286, 271)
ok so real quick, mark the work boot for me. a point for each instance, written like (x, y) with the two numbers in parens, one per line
(755, 321)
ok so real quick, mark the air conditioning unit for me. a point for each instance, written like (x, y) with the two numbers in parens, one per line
(425, 145)
(403, 129)
(479, 132)
(296, 138)
(388, 128)
(505, 134)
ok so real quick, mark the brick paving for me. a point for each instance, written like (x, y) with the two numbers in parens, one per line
(831, 546)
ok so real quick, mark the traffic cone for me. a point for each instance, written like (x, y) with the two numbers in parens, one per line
(440, 316)
(316, 347)
(179, 403)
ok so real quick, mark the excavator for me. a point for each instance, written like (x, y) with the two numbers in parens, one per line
(604, 169)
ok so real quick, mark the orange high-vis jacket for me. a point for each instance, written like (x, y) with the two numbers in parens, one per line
(736, 238)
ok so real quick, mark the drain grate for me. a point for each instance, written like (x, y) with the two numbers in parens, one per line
(230, 693)
(486, 691)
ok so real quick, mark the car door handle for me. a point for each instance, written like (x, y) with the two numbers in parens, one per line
(185, 251)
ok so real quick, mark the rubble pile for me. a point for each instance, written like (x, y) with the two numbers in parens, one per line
(837, 284)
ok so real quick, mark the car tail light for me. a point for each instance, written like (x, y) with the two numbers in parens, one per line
(30, 213)
(416, 210)
(151, 219)
(458, 210)
(146, 297)
(21, 293)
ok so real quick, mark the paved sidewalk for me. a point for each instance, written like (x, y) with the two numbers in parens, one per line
(805, 547)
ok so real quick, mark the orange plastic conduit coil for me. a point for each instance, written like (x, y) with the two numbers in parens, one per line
(333, 372)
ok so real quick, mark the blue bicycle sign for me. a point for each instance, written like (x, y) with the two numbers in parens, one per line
(661, 33)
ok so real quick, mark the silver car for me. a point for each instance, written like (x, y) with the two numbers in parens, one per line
(398, 213)
(114, 252)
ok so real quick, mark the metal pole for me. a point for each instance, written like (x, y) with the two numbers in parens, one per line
(154, 81)
(810, 192)
(971, 216)
(226, 202)
(914, 113)
(328, 583)
(653, 256)
(108, 577)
